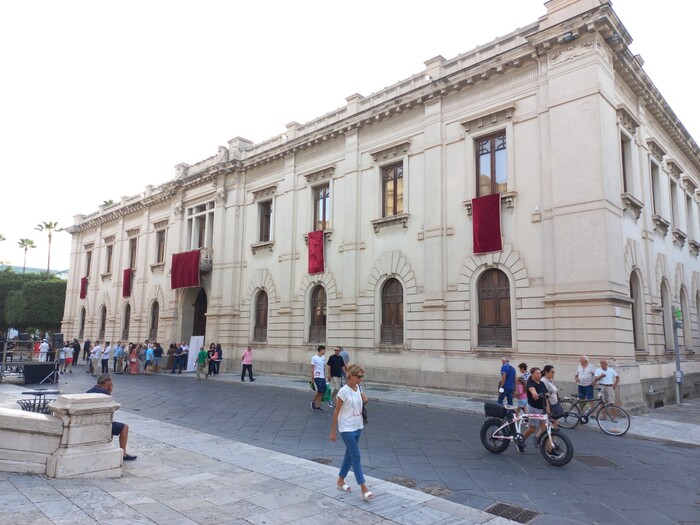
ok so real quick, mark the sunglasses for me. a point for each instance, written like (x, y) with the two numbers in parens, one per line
(360, 376)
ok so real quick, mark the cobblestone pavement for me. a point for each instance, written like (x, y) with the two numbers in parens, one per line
(435, 450)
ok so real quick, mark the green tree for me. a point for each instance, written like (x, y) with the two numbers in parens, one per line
(49, 227)
(38, 304)
(26, 244)
(11, 281)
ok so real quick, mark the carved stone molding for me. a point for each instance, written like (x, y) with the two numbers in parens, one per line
(327, 236)
(395, 150)
(267, 191)
(110, 239)
(661, 225)
(633, 204)
(157, 267)
(178, 209)
(507, 198)
(679, 237)
(401, 218)
(673, 168)
(220, 197)
(656, 150)
(626, 119)
(261, 245)
(89, 246)
(573, 51)
(317, 176)
(694, 247)
(160, 225)
(133, 232)
(688, 184)
(492, 116)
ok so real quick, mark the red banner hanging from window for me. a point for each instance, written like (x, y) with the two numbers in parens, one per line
(126, 283)
(486, 222)
(83, 287)
(316, 252)
(185, 270)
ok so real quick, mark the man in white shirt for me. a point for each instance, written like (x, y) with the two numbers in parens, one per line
(607, 378)
(43, 350)
(95, 357)
(318, 376)
(105, 357)
(585, 377)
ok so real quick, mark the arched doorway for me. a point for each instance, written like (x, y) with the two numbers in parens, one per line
(199, 321)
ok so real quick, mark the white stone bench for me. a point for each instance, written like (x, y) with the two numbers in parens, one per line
(72, 442)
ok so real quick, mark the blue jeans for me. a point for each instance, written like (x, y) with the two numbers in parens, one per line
(507, 393)
(352, 456)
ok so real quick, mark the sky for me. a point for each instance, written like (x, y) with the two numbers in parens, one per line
(100, 98)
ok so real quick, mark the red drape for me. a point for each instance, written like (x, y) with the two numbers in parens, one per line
(83, 287)
(185, 269)
(486, 221)
(126, 283)
(316, 251)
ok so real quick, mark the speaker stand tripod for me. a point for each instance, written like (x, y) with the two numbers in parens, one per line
(54, 376)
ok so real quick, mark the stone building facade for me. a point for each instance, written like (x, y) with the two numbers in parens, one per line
(598, 184)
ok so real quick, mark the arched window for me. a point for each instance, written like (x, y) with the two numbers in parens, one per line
(126, 322)
(260, 328)
(103, 323)
(392, 313)
(637, 296)
(685, 317)
(494, 310)
(666, 316)
(155, 316)
(317, 329)
(81, 326)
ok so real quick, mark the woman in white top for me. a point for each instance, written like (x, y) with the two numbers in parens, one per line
(548, 380)
(347, 417)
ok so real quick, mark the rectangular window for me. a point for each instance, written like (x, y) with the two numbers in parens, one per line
(492, 164)
(88, 262)
(160, 246)
(132, 252)
(656, 189)
(109, 252)
(265, 210)
(690, 227)
(626, 161)
(392, 190)
(322, 207)
(674, 204)
(200, 226)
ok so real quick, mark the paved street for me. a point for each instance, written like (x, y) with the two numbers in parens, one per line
(610, 480)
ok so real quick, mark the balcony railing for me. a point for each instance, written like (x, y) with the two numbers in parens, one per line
(206, 259)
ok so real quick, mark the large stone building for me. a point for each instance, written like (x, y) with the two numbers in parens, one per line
(600, 228)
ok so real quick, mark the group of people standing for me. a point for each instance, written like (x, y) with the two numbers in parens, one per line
(131, 358)
(537, 393)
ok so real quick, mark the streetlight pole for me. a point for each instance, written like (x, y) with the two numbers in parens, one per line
(677, 323)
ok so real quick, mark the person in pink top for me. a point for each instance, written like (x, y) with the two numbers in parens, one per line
(247, 361)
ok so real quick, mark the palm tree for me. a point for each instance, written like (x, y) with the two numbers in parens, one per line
(2, 237)
(49, 227)
(26, 244)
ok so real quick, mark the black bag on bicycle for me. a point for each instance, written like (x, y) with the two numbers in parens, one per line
(556, 410)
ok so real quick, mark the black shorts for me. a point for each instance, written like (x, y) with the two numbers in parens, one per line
(117, 428)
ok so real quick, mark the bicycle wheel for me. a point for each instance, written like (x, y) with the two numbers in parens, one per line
(493, 444)
(562, 449)
(571, 413)
(613, 420)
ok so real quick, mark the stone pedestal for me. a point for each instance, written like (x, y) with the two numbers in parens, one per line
(85, 450)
